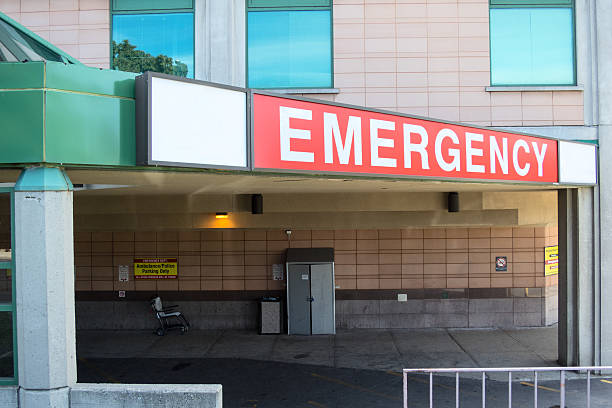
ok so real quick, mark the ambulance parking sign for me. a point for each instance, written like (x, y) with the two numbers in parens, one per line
(551, 260)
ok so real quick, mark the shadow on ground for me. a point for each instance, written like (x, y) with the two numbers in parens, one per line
(266, 384)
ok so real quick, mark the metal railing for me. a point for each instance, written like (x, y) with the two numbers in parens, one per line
(534, 370)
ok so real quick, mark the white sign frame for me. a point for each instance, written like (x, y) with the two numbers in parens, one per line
(577, 163)
(207, 129)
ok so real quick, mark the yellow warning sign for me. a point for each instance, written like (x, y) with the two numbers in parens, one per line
(155, 268)
(551, 260)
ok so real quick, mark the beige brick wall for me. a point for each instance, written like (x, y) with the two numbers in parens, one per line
(365, 259)
(420, 57)
(431, 58)
(79, 27)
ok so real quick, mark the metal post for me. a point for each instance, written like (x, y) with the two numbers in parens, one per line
(588, 388)
(484, 392)
(562, 387)
(535, 389)
(509, 389)
(431, 390)
(457, 389)
(405, 389)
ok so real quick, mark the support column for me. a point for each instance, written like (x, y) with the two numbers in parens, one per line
(603, 22)
(44, 283)
(220, 41)
(567, 283)
(577, 277)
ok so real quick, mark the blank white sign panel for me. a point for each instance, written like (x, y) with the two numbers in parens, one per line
(577, 163)
(197, 124)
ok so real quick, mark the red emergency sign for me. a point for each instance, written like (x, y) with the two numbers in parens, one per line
(291, 134)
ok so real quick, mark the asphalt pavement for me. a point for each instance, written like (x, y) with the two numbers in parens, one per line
(354, 368)
(265, 384)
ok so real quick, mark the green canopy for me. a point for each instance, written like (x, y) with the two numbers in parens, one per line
(18, 44)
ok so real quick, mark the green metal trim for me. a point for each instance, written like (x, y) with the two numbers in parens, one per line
(539, 6)
(63, 113)
(293, 8)
(490, 54)
(43, 179)
(41, 40)
(331, 35)
(246, 44)
(258, 4)
(160, 11)
(11, 307)
(531, 85)
(22, 75)
(139, 5)
(575, 61)
(87, 80)
(530, 3)
(92, 129)
(14, 294)
(22, 118)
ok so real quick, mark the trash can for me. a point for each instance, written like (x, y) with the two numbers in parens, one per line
(270, 315)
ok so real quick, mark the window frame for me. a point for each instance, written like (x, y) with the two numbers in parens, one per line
(112, 12)
(10, 307)
(329, 7)
(535, 4)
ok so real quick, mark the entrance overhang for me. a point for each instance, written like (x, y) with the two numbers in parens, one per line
(189, 123)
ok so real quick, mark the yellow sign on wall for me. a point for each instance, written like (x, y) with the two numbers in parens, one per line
(551, 260)
(155, 268)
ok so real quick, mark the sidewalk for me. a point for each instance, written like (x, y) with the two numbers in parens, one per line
(372, 349)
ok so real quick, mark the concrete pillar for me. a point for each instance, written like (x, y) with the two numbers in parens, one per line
(44, 283)
(586, 276)
(577, 277)
(220, 41)
(567, 264)
(603, 14)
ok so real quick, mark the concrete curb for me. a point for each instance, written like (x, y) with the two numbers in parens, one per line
(132, 396)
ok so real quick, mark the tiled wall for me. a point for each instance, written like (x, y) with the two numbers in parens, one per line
(365, 259)
(431, 58)
(79, 27)
(421, 57)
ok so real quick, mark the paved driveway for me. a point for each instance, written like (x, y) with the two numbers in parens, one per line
(354, 368)
(372, 349)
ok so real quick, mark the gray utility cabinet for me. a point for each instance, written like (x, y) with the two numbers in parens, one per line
(311, 307)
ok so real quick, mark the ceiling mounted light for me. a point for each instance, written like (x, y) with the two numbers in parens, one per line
(221, 215)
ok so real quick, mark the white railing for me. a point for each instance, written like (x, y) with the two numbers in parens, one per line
(534, 370)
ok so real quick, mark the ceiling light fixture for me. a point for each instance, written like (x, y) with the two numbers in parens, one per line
(221, 215)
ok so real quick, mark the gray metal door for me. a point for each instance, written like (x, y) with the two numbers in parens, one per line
(322, 293)
(298, 280)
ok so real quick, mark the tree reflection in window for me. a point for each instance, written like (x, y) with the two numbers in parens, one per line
(160, 42)
(127, 57)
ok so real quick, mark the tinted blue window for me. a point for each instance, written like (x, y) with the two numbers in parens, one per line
(532, 46)
(154, 37)
(289, 49)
